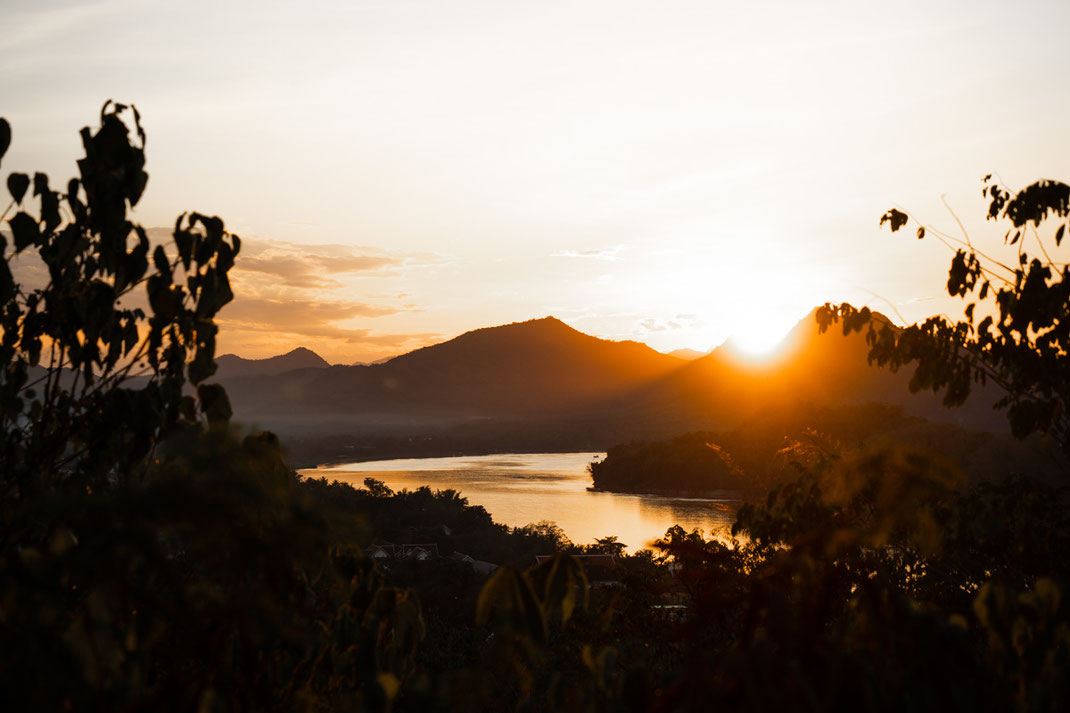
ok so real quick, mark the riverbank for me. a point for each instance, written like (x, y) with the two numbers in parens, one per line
(720, 495)
(521, 489)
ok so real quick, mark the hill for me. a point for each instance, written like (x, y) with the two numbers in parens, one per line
(724, 388)
(542, 385)
(541, 367)
(687, 354)
(232, 366)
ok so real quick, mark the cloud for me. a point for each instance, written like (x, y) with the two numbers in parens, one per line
(285, 294)
(307, 266)
(310, 318)
(612, 253)
(654, 325)
(298, 311)
(363, 337)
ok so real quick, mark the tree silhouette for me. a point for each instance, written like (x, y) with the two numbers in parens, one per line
(70, 346)
(1016, 331)
(151, 558)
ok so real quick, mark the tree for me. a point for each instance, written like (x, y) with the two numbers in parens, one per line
(1016, 331)
(151, 558)
(68, 348)
(610, 545)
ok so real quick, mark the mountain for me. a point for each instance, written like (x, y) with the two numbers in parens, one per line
(687, 354)
(538, 367)
(724, 388)
(383, 360)
(541, 384)
(541, 364)
(232, 366)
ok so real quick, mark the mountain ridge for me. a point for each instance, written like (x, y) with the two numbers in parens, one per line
(545, 377)
(540, 365)
(232, 365)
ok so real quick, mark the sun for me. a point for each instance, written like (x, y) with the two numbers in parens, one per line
(761, 335)
(756, 343)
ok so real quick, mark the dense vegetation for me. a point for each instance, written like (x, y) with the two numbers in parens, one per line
(760, 453)
(691, 463)
(151, 558)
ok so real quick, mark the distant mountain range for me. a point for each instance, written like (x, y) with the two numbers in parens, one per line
(520, 370)
(542, 384)
(230, 366)
(725, 388)
(687, 353)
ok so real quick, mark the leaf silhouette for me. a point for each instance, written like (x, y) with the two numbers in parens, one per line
(897, 218)
(17, 184)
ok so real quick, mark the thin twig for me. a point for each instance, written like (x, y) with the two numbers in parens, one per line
(943, 199)
(887, 302)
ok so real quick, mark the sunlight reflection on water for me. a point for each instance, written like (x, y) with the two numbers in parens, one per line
(518, 489)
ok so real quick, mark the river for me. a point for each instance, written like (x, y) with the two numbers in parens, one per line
(524, 488)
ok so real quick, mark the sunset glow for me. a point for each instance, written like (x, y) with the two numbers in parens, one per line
(757, 343)
(401, 173)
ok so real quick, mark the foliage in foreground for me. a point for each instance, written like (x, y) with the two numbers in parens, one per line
(1016, 331)
(150, 558)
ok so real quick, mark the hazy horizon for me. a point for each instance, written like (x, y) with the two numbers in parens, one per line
(694, 353)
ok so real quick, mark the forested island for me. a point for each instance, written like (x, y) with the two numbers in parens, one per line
(774, 448)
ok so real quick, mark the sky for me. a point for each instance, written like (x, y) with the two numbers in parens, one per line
(676, 173)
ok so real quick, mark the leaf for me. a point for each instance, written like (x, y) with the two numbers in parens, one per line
(213, 228)
(509, 594)
(17, 183)
(203, 365)
(159, 259)
(389, 684)
(184, 243)
(25, 230)
(7, 282)
(956, 277)
(1046, 596)
(1059, 234)
(215, 404)
(77, 207)
(557, 581)
(1034, 202)
(896, 217)
(5, 136)
(188, 408)
(49, 202)
(40, 183)
(921, 232)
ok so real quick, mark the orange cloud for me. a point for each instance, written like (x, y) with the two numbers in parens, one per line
(295, 313)
(307, 266)
(288, 294)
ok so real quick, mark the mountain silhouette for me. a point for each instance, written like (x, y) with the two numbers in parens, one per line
(725, 387)
(541, 366)
(231, 366)
(687, 354)
(543, 382)
(537, 365)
